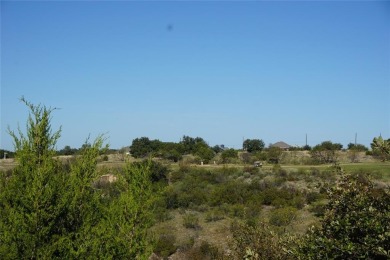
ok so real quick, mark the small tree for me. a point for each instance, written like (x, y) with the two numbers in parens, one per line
(218, 148)
(39, 142)
(326, 152)
(49, 211)
(190, 144)
(142, 147)
(253, 145)
(381, 147)
(31, 199)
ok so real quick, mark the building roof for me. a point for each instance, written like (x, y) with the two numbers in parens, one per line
(281, 145)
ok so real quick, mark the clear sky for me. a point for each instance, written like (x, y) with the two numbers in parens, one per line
(222, 71)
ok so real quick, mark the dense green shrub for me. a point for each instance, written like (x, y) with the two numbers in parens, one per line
(280, 197)
(165, 245)
(230, 192)
(282, 216)
(158, 172)
(355, 225)
(237, 211)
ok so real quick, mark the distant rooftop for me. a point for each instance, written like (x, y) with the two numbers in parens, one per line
(281, 145)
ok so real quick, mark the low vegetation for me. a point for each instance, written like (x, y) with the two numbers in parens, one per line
(313, 208)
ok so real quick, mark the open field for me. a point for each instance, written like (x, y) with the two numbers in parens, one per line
(382, 168)
(114, 161)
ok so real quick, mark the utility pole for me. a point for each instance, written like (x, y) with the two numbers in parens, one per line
(306, 140)
(355, 139)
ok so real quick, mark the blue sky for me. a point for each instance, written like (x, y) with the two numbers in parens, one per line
(222, 71)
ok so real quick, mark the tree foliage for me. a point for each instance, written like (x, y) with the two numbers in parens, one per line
(67, 150)
(381, 147)
(50, 211)
(170, 151)
(253, 145)
(229, 155)
(6, 154)
(39, 142)
(191, 145)
(142, 147)
(218, 148)
(326, 152)
(205, 153)
(357, 147)
(355, 225)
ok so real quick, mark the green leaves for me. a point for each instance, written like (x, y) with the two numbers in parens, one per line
(355, 225)
(39, 141)
(326, 152)
(253, 145)
(381, 147)
(50, 211)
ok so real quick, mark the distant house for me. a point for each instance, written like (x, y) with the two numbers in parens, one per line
(282, 145)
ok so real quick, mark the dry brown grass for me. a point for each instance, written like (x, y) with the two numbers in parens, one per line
(7, 164)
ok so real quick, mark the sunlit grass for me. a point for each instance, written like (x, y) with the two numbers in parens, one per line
(378, 170)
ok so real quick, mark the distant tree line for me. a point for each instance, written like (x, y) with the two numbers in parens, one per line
(6, 154)
(144, 147)
(67, 150)
(253, 149)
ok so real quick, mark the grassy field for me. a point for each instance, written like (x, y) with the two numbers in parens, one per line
(377, 168)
